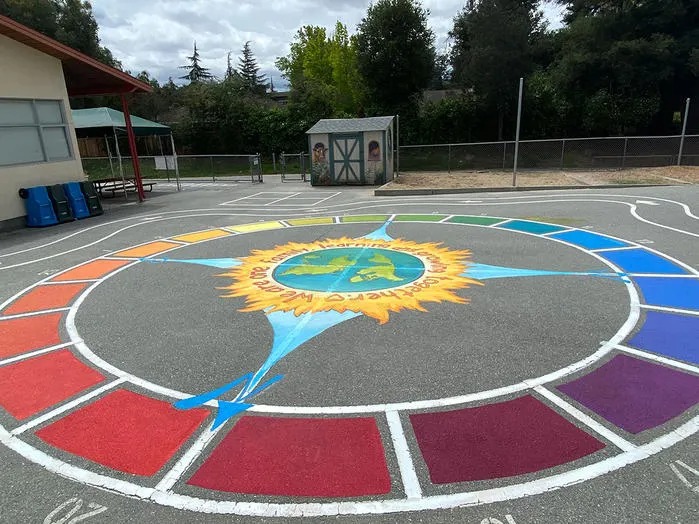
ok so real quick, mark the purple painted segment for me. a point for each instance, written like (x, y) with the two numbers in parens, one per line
(634, 394)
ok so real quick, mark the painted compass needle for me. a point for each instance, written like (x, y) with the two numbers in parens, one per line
(306, 288)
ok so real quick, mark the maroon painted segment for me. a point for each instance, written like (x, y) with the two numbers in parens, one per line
(302, 457)
(634, 394)
(125, 431)
(498, 440)
(33, 385)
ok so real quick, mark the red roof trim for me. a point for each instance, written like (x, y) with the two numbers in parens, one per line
(43, 43)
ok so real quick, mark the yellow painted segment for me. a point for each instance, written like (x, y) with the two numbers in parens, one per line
(259, 226)
(146, 249)
(311, 221)
(202, 235)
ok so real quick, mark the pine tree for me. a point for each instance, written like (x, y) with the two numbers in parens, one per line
(196, 73)
(230, 70)
(254, 82)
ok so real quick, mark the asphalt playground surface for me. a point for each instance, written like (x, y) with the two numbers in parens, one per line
(518, 358)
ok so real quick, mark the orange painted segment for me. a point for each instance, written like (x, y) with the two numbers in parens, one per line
(203, 235)
(45, 297)
(30, 386)
(92, 270)
(146, 249)
(22, 335)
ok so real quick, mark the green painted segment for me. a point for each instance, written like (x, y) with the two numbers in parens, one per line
(420, 218)
(365, 218)
(479, 221)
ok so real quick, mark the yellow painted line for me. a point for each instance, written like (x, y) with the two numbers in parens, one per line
(259, 226)
(202, 235)
(146, 249)
(311, 221)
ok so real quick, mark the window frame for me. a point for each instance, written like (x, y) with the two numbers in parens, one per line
(40, 128)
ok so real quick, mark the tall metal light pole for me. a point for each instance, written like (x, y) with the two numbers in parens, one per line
(684, 132)
(519, 123)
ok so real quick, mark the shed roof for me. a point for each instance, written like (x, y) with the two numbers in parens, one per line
(84, 75)
(100, 118)
(351, 125)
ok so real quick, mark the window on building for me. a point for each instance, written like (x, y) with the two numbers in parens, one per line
(33, 131)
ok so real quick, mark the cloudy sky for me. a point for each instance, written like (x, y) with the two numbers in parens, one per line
(157, 35)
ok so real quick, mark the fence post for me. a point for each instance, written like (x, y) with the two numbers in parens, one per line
(397, 173)
(519, 123)
(504, 156)
(626, 148)
(274, 162)
(684, 132)
(211, 162)
(449, 161)
(563, 152)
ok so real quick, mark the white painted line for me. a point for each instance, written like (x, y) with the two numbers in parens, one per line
(660, 275)
(608, 249)
(281, 199)
(565, 230)
(120, 259)
(447, 219)
(671, 310)
(588, 421)
(67, 407)
(337, 220)
(497, 224)
(184, 463)
(174, 241)
(405, 461)
(328, 198)
(681, 476)
(25, 356)
(33, 313)
(658, 358)
(58, 283)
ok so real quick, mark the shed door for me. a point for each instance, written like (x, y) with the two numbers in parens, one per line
(348, 160)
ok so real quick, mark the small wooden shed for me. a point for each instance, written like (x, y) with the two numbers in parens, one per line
(353, 151)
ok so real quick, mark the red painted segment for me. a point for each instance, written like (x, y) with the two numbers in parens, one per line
(22, 335)
(92, 270)
(31, 386)
(125, 431)
(45, 297)
(301, 457)
(498, 440)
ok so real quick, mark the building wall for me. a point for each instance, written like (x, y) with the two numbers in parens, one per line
(30, 74)
(374, 157)
(319, 145)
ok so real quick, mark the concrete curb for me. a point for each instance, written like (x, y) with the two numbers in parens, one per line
(441, 191)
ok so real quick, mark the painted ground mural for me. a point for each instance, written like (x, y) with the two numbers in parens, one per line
(628, 399)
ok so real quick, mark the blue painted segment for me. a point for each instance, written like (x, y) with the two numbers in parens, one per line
(199, 400)
(220, 263)
(589, 240)
(381, 233)
(642, 261)
(486, 272)
(531, 227)
(681, 293)
(349, 270)
(675, 336)
(227, 410)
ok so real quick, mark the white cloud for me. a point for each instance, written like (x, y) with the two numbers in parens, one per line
(157, 35)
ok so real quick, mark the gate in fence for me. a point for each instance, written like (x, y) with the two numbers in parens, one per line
(293, 167)
(256, 168)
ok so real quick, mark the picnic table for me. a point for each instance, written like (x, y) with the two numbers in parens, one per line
(112, 185)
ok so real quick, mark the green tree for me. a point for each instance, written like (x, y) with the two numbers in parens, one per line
(249, 72)
(395, 54)
(40, 15)
(195, 71)
(493, 48)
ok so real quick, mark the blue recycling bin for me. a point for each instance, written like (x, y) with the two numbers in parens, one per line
(40, 211)
(76, 200)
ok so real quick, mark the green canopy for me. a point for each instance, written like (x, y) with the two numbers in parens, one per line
(103, 120)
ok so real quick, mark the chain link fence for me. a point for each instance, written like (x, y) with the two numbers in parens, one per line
(559, 154)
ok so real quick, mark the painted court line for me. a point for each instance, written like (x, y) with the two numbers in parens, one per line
(608, 249)
(657, 358)
(680, 476)
(566, 230)
(405, 460)
(446, 219)
(328, 198)
(292, 195)
(598, 428)
(498, 224)
(59, 282)
(25, 356)
(34, 313)
(180, 468)
(671, 309)
(67, 407)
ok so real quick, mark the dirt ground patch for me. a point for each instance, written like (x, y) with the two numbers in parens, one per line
(494, 179)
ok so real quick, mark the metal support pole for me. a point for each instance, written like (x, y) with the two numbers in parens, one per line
(626, 148)
(162, 153)
(274, 162)
(177, 167)
(684, 132)
(121, 167)
(397, 173)
(133, 149)
(563, 152)
(109, 154)
(211, 162)
(449, 161)
(504, 156)
(519, 123)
